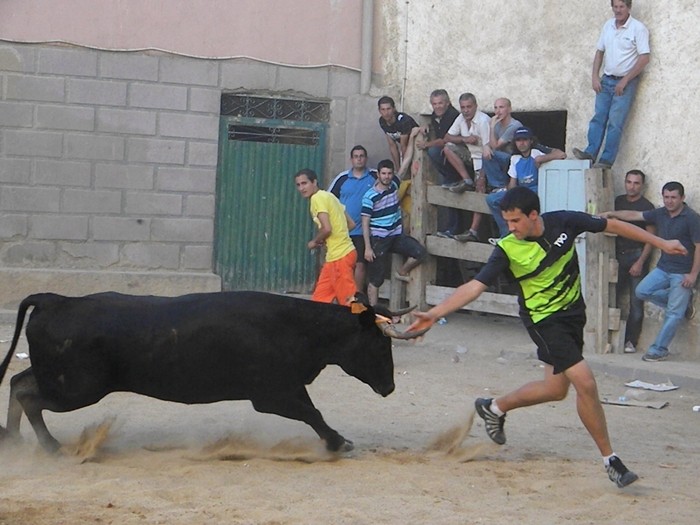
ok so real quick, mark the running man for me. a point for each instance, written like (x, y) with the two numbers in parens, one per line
(539, 254)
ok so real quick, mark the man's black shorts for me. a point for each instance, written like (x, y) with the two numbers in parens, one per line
(559, 340)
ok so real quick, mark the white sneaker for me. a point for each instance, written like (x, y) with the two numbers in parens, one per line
(629, 348)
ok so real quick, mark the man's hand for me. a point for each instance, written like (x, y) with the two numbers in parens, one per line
(313, 244)
(422, 321)
(636, 269)
(369, 254)
(620, 87)
(597, 87)
(689, 280)
(674, 247)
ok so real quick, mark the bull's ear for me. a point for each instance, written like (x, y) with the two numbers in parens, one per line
(357, 308)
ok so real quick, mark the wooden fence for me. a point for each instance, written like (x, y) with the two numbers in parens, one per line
(604, 328)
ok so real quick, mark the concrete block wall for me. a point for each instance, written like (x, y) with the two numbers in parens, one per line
(108, 159)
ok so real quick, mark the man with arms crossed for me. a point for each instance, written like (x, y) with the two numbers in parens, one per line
(540, 255)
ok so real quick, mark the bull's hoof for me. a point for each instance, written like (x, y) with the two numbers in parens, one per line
(340, 445)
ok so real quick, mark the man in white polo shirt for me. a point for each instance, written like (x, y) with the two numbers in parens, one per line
(623, 51)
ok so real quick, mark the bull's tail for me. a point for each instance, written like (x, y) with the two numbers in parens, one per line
(32, 300)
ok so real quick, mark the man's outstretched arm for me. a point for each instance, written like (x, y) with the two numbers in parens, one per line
(630, 231)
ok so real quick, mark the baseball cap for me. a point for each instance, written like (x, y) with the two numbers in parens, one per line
(522, 133)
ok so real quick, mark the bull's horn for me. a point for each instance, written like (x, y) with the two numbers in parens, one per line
(382, 310)
(389, 330)
(404, 311)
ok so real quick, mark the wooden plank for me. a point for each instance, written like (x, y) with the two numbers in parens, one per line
(613, 270)
(494, 303)
(468, 200)
(423, 221)
(614, 319)
(470, 251)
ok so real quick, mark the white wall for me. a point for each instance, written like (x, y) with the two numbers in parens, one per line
(539, 54)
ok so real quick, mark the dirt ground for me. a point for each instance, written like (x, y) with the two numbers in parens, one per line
(226, 464)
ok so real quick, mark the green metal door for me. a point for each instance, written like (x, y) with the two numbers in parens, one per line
(262, 223)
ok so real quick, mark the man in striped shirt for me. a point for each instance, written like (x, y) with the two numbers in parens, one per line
(383, 231)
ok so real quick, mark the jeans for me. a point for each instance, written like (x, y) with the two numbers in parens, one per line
(496, 169)
(625, 282)
(449, 218)
(665, 290)
(494, 200)
(610, 114)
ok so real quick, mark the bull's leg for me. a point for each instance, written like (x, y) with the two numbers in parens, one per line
(300, 407)
(25, 397)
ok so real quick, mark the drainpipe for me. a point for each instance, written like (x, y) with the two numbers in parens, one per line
(366, 66)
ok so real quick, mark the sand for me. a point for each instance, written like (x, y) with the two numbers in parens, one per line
(419, 457)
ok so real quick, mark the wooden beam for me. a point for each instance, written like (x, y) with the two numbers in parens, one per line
(469, 251)
(468, 200)
(494, 303)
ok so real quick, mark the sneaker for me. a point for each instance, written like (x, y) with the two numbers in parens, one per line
(449, 185)
(493, 241)
(461, 186)
(629, 348)
(582, 155)
(467, 237)
(445, 235)
(602, 165)
(619, 474)
(653, 357)
(690, 309)
(492, 422)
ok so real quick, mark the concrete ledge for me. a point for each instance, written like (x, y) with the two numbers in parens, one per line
(17, 283)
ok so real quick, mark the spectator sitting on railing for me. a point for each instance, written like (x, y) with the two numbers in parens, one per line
(523, 171)
(465, 142)
(383, 231)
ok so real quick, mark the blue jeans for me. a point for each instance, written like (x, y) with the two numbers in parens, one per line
(665, 290)
(496, 169)
(449, 216)
(610, 114)
(494, 200)
(625, 282)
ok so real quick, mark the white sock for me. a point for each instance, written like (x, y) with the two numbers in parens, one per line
(495, 409)
(606, 459)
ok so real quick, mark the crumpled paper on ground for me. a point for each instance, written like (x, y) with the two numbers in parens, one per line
(659, 387)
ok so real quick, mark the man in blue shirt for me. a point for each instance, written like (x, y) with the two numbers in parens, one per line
(669, 285)
(349, 187)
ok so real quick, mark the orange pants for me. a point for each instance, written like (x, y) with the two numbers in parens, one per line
(337, 280)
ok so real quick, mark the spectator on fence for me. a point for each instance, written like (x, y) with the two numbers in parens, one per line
(396, 127)
(441, 119)
(523, 171)
(497, 153)
(383, 231)
(465, 143)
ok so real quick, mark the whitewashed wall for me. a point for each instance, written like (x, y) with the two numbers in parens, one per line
(539, 54)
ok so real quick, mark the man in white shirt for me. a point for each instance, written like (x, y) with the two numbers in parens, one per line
(623, 51)
(464, 146)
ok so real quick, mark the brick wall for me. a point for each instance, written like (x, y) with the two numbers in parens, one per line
(108, 160)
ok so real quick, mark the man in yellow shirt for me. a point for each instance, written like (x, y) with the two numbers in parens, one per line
(336, 280)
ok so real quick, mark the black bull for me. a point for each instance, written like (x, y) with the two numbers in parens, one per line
(198, 348)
